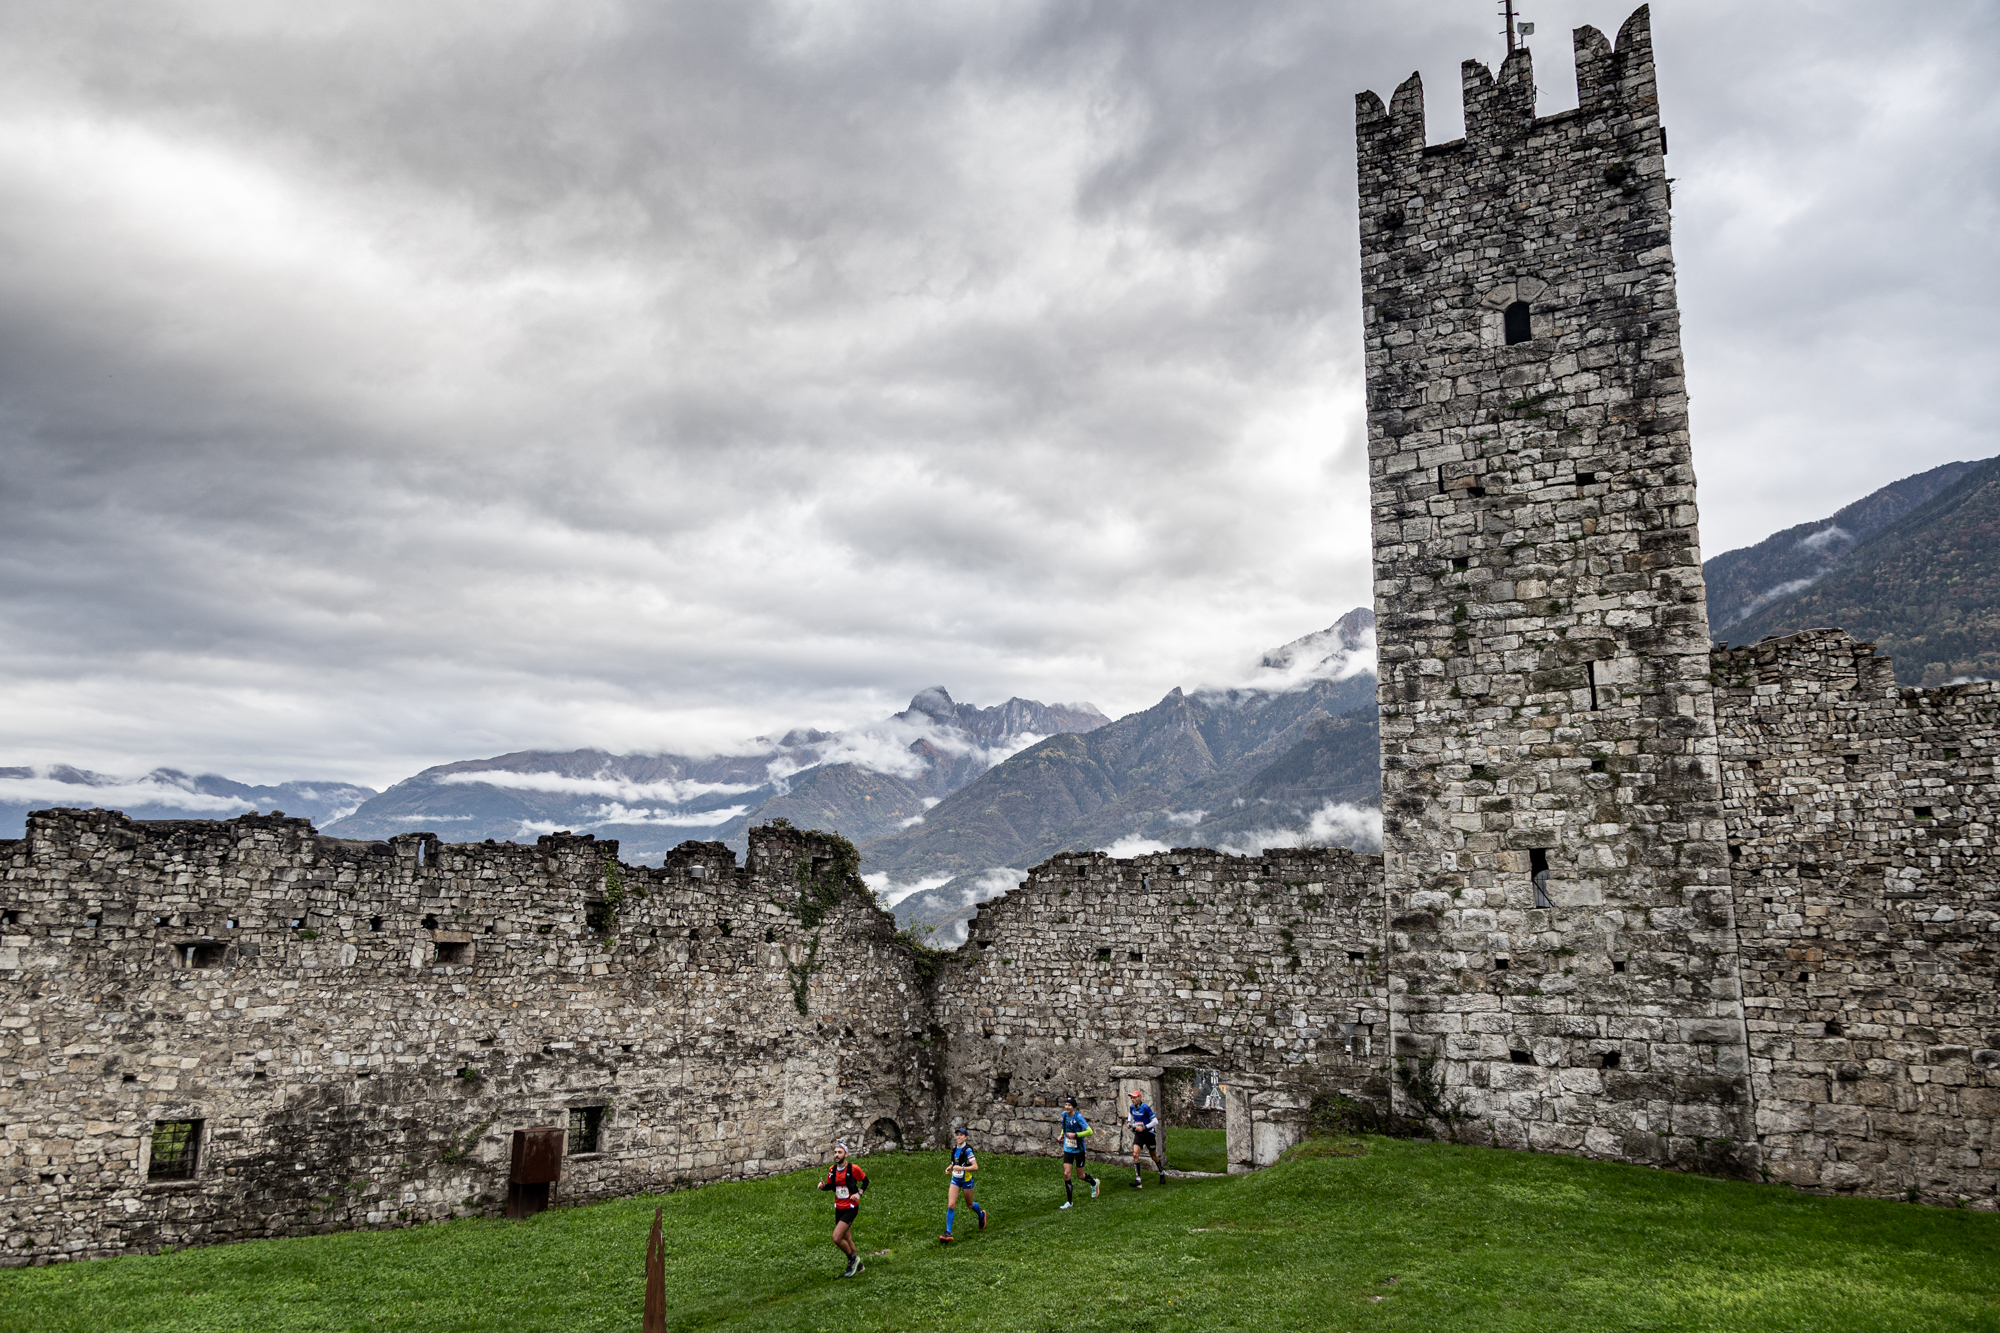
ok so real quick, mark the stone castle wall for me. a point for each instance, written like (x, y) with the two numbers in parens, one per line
(1545, 698)
(1862, 825)
(1099, 975)
(346, 1077)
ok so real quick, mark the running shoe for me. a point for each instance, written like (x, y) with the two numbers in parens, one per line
(982, 1221)
(945, 1239)
(858, 1266)
(1093, 1187)
(1067, 1205)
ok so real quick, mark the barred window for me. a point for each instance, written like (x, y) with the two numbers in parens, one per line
(584, 1123)
(176, 1149)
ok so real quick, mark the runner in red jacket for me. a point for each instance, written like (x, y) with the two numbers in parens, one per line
(848, 1183)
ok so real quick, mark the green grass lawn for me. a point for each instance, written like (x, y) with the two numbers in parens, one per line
(1194, 1150)
(1398, 1235)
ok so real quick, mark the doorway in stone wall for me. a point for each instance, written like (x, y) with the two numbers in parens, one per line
(1192, 1106)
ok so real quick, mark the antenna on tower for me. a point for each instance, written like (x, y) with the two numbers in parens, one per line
(1513, 29)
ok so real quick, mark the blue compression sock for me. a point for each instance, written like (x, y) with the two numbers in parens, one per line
(981, 1211)
(949, 1213)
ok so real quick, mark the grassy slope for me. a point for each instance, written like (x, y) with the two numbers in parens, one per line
(1407, 1236)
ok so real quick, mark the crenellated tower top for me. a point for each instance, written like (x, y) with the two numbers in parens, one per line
(1613, 84)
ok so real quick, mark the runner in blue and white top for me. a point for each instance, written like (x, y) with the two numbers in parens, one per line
(1075, 1151)
(1145, 1134)
(964, 1169)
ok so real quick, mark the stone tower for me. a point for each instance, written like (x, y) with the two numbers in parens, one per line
(1557, 876)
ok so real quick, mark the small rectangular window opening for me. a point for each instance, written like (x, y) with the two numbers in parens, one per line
(1521, 1057)
(1538, 867)
(454, 955)
(1585, 478)
(597, 915)
(1001, 1082)
(374, 923)
(1850, 759)
(163, 921)
(298, 923)
(585, 1122)
(1618, 965)
(206, 955)
(1104, 955)
(10, 917)
(1515, 320)
(1499, 964)
(1951, 754)
(1461, 562)
(176, 1150)
(93, 920)
(1923, 812)
(1608, 1060)
(1356, 956)
(1145, 883)
(1597, 766)
(1135, 957)
(1590, 671)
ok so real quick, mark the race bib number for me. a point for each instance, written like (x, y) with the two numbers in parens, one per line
(958, 1172)
(1069, 1142)
(840, 1191)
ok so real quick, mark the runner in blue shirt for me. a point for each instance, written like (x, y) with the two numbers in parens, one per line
(964, 1166)
(1075, 1151)
(1145, 1134)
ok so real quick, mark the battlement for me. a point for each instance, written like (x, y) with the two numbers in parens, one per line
(1613, 84)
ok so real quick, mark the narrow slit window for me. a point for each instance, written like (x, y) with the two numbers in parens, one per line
(1515, 319)
(176, 1150)
(1538, 867)
(1590, 672)
(585, 1126)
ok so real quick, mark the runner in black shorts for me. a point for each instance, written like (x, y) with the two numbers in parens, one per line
(1145, 1134)
(848, 1183)
(1075, 1151)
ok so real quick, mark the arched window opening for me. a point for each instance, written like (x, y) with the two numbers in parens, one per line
(1516, 317)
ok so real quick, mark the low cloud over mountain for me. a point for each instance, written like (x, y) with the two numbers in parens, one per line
(864, 782)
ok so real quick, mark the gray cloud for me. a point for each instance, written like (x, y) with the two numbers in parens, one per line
(382, 386)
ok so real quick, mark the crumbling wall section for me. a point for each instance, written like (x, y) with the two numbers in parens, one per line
(1861, 835)
(1099, 973)
(359, 1027)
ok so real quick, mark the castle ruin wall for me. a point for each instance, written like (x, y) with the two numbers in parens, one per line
(359, 1027)
(1862, 822)
(1100, 974)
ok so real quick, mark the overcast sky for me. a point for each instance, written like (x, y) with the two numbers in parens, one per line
(382, 385)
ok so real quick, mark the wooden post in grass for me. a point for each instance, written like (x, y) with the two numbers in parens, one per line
(656, 1279)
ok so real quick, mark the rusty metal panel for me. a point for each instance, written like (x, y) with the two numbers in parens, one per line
(538, 1156)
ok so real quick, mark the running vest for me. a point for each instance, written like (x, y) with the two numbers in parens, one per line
(846, 1182)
